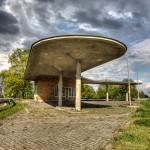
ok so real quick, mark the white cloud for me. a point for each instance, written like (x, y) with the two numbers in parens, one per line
(5, 66)
(3, 58)
(4, 62)
(147, 85)
(138, 81)
(68, 12)
(117, 15)
(140, 53)
(28, 1)
(146, 74)
(7, 8)
(86, 27)
(144, 87)
(114, 70)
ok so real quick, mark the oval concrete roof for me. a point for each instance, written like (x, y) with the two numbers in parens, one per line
(51, 55)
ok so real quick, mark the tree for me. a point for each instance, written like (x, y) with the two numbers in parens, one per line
(87, 91)
(143, 95)
(1, 86)
(101, 91)
(117, 92)
(14, 83)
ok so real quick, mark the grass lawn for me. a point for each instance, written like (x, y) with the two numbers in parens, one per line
(10, 109)
(137, 135)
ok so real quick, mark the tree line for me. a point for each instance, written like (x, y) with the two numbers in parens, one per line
(115, 91)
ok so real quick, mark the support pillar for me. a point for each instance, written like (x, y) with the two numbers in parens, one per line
(138, 96)
(35, 91)
(107, 96)
(78, 87)
(60, 86)
(127, 96)
(129, 92)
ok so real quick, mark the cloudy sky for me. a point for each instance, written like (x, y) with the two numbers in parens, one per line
(23, 22)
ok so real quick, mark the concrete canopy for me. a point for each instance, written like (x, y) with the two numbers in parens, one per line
(90, 81)
(50, 56)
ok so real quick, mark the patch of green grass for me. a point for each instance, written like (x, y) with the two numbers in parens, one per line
(142, 122)
(8, 110)
(146, 103)
(142, 115)
(137, 135)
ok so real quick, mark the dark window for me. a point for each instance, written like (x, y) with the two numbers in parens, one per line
(56, 90)
(70, 92)
(63, 91)
(74, 92)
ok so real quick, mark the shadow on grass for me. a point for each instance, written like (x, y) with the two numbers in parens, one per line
(7, 107)
(72, 104)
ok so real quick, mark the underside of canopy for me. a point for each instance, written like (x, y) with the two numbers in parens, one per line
(50, 56)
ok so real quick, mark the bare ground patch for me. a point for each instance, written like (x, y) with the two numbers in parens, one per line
(41, 126)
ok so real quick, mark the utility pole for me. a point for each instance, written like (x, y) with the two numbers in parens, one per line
(138, 85)
(129, 92)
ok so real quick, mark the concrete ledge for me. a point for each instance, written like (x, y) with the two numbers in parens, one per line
(132, 106)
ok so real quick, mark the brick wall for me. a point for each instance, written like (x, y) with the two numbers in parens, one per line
(45, 87)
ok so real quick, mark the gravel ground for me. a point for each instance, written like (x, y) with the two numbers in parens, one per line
(41, 126)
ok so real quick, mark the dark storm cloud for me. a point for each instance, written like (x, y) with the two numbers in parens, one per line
(133, 56)
(95, 12)
(9, 24)
(2, 2)
(46, 1)
(113, 24)
(3, 44)
(86, 17)
(97, 20)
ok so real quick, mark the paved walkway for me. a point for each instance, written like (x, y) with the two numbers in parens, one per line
(41, 126)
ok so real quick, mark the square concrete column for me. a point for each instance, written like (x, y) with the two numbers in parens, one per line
(127, 96)
(35, 91)
(60, 86)
(78, 87)
(107, 97)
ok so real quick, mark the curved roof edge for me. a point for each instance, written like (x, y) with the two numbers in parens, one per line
(77, 36)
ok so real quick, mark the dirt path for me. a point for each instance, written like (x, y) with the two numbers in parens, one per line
(43, 127)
